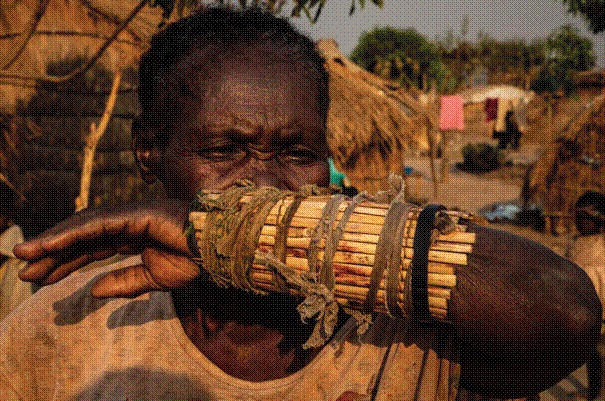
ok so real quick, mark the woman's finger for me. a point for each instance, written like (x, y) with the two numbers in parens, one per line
(127, 282)
(162, 221)
(59, 264)
(160, 271)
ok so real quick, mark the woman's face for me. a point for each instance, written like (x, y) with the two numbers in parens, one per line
(251, 115)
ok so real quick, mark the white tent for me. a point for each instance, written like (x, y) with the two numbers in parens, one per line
(479, 94)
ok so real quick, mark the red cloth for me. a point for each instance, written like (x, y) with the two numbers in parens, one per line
(452, 113)
(491, 109)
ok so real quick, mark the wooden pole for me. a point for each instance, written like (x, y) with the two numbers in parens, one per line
(444, 169)
(432, 157)
(96, 132)
(549, 105)
(431, 127)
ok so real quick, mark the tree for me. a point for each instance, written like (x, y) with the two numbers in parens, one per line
(592, 10)
(403, 55)
(567, 53)
(515, 57)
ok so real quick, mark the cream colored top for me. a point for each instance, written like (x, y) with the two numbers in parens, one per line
(12, 290)
(61, 344)
(588, 252)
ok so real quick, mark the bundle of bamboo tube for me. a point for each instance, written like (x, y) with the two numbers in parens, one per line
(354, 254)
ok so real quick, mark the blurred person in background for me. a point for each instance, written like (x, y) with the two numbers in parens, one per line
(587, 250)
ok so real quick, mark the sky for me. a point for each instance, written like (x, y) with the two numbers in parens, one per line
(501, 19)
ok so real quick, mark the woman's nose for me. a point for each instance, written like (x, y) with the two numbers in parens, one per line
(267, 179)
(265, 173)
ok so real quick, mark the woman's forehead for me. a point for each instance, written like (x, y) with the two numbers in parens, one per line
(249, 93)
(260, 95)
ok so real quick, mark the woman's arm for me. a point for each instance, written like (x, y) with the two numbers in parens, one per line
(525, 316)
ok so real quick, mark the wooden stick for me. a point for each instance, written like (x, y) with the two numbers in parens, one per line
(363, 282)
(434, 279)
(364, 251)
(355, 234)
(96, 132)
(438, 313)
(351, 292)
(298, 257)
(305, 220)
(297, 232)
(368, 259)
(364, 247)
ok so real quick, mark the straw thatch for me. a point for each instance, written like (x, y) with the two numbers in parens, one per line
(36, 33)
(44, 125)
(572, 165)
(371, 121)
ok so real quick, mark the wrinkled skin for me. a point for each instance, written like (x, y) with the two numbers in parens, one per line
(255, 115)
(524, 322)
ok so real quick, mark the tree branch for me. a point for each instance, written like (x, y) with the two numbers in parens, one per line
(10, 58)
(96, 132)
(85, 67)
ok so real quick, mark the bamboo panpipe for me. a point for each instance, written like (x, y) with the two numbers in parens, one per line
(352, 296)
(459, 237)
(354, 254)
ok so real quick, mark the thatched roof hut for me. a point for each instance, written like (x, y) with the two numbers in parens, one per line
(572, 165)
(44, 125)
(371, 121)
(36, 33)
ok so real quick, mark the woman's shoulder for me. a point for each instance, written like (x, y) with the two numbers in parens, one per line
(67, 301)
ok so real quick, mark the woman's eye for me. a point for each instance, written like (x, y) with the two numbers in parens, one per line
(300, 155)
(222, 152)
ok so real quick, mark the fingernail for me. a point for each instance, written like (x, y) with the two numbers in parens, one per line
(23, 272)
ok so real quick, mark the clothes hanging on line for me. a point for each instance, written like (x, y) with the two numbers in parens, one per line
(491, 109)
(452, 113)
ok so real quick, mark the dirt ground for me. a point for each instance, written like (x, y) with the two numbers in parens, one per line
(478, 193)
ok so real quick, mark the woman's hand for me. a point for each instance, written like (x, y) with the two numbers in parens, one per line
(154, 229)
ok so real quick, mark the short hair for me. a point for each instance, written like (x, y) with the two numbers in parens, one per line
(224, 27)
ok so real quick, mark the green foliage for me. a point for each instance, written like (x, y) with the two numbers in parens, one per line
(592, 10)
(403, 55)
(480, 158)
(570, 50)
(567, 53)
(311, 8)
(546, 82)
(510, 55)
